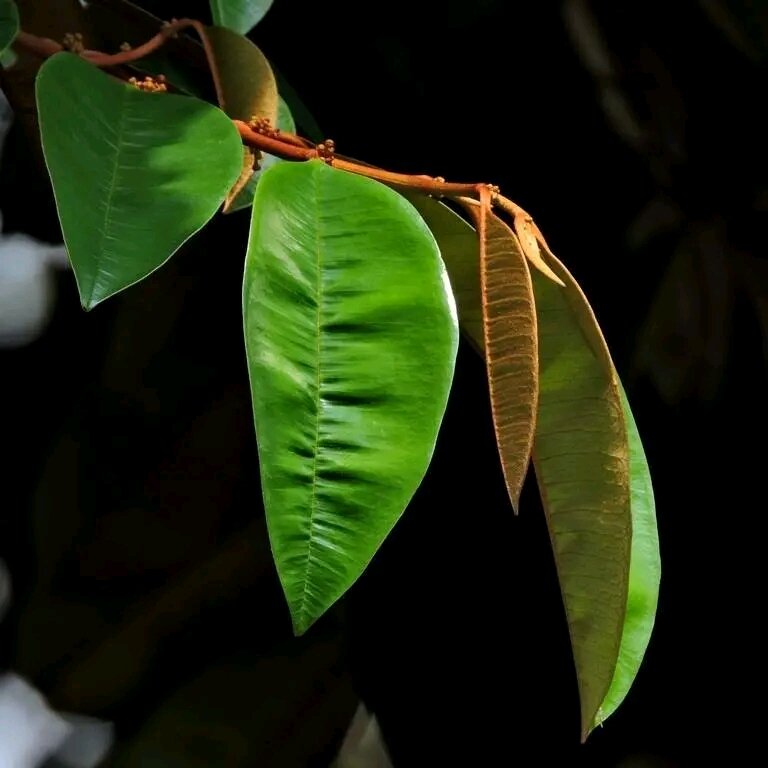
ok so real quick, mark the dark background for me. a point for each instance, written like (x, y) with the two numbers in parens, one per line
(133, 530)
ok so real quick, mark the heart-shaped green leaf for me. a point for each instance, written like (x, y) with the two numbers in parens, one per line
(134, 174)
(581, 458)
(644, 573)
(239, 15)
(351, 336)
(9, 23)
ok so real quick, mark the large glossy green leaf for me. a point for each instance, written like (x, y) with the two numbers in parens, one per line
(582, 467)
(9, 23)
(644, 573)
(239, 15)
(351, 336)
(247, 83)
(134, 174)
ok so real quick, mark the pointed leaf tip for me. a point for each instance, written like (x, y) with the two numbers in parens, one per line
(351, 338)
(134, 174)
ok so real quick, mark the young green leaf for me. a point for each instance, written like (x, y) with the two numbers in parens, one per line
(351, 337)
(239, 15)
(134, 174)
(644, 573)
(582, 467)
(9, 24)
(511, 345)
(247, 83)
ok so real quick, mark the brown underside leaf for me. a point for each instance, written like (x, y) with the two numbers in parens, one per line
(511, 345)
(249, 163)
(581, 457)
(247, 83)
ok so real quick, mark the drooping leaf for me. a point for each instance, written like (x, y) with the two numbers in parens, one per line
(511, 346)
(582, 467)
(239, 15)
(305, 120)
(9, 24)
(248, 85)
(134, 174)
(644, 573)
(246, 174)
(244, 197)
(351, 337)
(458, 247)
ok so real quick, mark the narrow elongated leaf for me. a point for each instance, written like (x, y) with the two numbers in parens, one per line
(351, 335)
(134, 174)
(248, 85)
(582, 467)
(458, 247)
(9, 23)
(644, 573)
(511, 346)
(239, 15)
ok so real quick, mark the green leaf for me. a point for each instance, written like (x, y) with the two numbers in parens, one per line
(244, 198)
(351, 338)
(9, 24)
(644, 573)
(305, 120)
(582, 467)
(134, 174)
(239, 15)
(248, 85)
(457, 241)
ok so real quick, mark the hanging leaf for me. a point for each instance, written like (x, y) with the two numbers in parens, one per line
(457, 241)
(511, 346)
(351, 338)
(644, 573)
(244, 197)
(9, 24)
(246, 174)
(582, 467)
(239, 15)
(247, 83)
(134, 174)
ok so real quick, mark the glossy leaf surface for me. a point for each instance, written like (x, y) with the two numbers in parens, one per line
(644, 573)
(134, 174)
(239, 15)
(582, 467)
(351, 336)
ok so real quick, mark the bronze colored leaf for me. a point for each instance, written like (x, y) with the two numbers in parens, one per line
(511, 346)
(249, 163)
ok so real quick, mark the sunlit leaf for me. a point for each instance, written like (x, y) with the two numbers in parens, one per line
(351, 337)
(134, 174)
(9, 23)
(239, 15)
(248, 85)
(581, 458)
(644, 573)
(511, 346)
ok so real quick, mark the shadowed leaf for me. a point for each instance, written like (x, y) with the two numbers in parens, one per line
(351, 337)
(582, 467)
(247, 83)
(134, 174)
(239, 15)
(9, 23)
